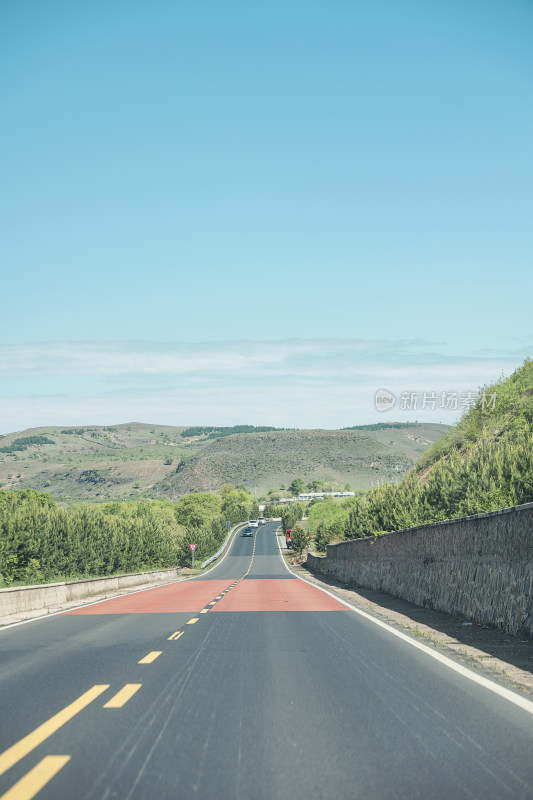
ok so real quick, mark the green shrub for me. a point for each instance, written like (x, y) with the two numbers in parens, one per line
(41, 542)
(482, 464)
(299, 539)
(24, 442)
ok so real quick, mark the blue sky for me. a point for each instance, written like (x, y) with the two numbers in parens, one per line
(224, 213)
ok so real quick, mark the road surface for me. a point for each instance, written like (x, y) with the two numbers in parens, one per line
(246, 683)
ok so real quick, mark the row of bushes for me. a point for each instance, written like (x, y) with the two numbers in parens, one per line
(326, 519)
(494, 472)
(483, 463)
(41, 542)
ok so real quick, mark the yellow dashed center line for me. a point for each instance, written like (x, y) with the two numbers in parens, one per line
(122, 697)
(176, 635)
(36, 737)
(209, 607)
(28, 786)
(149, 657)
(232, 586)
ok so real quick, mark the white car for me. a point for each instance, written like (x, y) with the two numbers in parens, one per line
(261, 520)
(253, 523)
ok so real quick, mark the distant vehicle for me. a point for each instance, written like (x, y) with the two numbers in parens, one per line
(261, 520)
(248, 531)
(254, 523)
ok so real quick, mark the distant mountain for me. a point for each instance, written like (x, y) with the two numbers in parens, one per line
(263, 461)
(129, 460)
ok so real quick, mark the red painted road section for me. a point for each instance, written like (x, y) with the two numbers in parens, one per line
(191, 596)
(188, 596)
(277, 595)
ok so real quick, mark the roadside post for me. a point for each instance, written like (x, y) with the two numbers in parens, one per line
(193, 548)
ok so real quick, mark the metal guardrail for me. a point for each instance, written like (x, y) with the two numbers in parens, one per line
(221, 550)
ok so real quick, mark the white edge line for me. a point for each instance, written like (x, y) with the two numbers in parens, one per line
(114, 596)
(507, 694)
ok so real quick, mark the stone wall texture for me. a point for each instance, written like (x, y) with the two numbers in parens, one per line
(480, 567)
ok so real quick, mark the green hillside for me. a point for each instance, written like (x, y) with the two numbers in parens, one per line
(483, 463)
(127, 461)
(91, 462)
(268, 460)
(503, 413)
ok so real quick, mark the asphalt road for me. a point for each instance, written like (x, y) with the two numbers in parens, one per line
(254, 685)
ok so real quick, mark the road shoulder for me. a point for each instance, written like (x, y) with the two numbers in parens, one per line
(495, 654)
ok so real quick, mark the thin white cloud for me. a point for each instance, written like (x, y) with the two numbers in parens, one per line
(299, 383)
(303, 357)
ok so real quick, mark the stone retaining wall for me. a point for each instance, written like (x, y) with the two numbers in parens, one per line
(17, 599)
(480, 567)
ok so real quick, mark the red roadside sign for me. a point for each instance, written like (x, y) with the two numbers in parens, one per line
(193, 547)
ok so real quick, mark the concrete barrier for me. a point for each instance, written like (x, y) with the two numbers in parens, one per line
(480, 567)
(18, 599)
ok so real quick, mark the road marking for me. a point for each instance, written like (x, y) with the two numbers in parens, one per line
(28, 786)
(122, 697)
(36, 737)
(176, 635)
(49, 615)
(507, 694)
(149, 657)
(192, 621)
(232, 586)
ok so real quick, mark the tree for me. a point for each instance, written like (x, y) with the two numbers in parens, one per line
(299, 539)
(196, 510)
(296, 487)
(291, 514)
(237, 505)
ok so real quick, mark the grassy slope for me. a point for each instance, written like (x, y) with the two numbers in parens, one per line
(482, 464)
(123, 457)
(127, 460)
(504, 415)
(269, 460)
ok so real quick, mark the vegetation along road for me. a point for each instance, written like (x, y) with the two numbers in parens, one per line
(246, 683)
